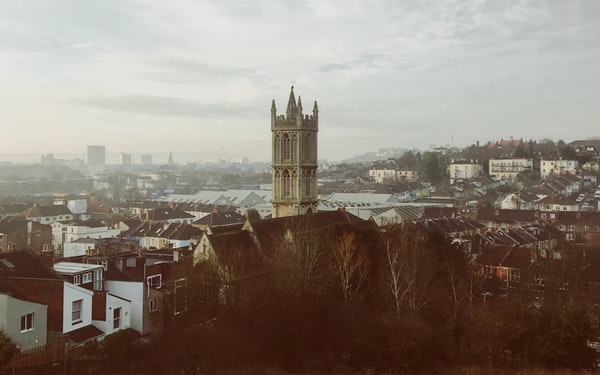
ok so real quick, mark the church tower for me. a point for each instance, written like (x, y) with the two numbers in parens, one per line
(294, 156)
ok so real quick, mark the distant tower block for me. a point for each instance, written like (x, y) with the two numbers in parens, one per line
(96, 156)
(294, 155)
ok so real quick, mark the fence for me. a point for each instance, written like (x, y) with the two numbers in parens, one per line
(55, 351)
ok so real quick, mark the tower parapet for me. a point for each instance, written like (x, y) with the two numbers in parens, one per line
(294, 118)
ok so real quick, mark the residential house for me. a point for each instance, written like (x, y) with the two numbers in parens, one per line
(581, 226)
(156, 284)
(25, 322)
(558, 167)
(11, 209)
(388, 172)
(505, 268)
(48, 214)
(464, 169)
(110, 312)
(18, 233)
(76, 205)
(557, 203)
(520, 200)
(501, 218)
(69, 309)
(217, 218)
(508, 169)
(89, 229)
(169, 214)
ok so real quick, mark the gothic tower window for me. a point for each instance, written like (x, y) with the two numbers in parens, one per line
(277, 149)
(294, 148)
(306, 150)
(287, 149)
(307, 183)
(294, 184)
(276, 184)
(286, 180)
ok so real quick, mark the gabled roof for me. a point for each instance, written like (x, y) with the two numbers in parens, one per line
(169, 213)
(506, 216)
(23, 264)
(558, 199)
(237, 252)
(91, 223)
(221, 218)
(46, 211)
(578, 217)
(432, 212)
(95, 208)
(270, 232)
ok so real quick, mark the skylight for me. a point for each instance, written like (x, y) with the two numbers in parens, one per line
(7, 263)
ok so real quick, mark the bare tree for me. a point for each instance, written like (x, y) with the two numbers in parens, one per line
(411, 268)
(350, 264)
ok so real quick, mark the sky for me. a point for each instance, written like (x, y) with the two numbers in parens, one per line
(154, 76)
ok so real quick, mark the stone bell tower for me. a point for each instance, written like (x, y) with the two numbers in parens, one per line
(294, 156)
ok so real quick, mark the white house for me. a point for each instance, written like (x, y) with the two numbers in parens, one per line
(557, 167)
(89, 229)
(463, 169)
(508, 169)
(111, 313)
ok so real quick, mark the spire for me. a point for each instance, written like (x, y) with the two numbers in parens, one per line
(299, 104)
(273, 109)
(315, 109)
(292, 102)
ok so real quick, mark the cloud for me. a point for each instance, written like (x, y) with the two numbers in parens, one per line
(166, 106)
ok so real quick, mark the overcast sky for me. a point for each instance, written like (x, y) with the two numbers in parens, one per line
(196, 76)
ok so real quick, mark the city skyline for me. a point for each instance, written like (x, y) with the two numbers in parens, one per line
(153, 77)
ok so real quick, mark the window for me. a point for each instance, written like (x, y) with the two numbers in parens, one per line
(539, 280)
(155, 281)
(515, 275)
(98, 279)
(153, 305)
(27, 322)
(117, 318)
(287, 148)
(38, 233)
(306, 152)
(87, 277)
(76, 311)
(1, 236)
(287, 188)
(104, 264)
(487, 272)
(77, 279)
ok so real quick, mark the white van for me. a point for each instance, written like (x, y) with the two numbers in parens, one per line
(597, 194)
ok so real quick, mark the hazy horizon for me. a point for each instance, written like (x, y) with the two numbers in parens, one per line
(185, 75)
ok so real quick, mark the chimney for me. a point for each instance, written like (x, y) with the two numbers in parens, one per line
(176, 256)
(147, 214)
(497, 212)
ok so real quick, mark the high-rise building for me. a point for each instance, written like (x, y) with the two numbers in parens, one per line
(294, 159)
(146, 159)
(96, 156)
(125, 158)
